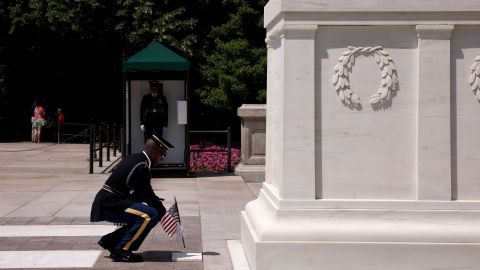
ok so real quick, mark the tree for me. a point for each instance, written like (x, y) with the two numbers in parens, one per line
(4, 24)
(140, 22)
(133, 23)
(75, 48)
(234, 72)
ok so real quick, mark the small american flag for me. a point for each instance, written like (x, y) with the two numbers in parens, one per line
(170, 220)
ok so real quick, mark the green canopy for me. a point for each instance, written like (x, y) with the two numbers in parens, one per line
(155, 58)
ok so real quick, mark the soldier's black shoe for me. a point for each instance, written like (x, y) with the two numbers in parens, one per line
(124, 256)
(102, 244)
(108, 241)
(105, 244)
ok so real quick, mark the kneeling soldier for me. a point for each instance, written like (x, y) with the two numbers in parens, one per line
(127, 198)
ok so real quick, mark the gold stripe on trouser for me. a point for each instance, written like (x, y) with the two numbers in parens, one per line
(139, 232)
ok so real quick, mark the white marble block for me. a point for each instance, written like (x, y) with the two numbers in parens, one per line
(372, 137)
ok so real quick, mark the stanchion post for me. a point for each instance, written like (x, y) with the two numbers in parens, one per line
(100, 146)
(108, 142)
(114, 139)
(229, 146)
(123, 144)
(188, 151)
(58, 131)
(92, 142)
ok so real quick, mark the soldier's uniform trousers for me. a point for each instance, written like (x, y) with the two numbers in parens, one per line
(139, 219)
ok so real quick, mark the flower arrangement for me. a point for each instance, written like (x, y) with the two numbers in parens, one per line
(212, 159)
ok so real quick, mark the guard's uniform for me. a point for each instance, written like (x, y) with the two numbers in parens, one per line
(120, 201)
(154, 114)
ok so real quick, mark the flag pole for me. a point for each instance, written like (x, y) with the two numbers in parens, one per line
(179, 220)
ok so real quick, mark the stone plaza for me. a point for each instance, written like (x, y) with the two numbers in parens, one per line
(45, 197)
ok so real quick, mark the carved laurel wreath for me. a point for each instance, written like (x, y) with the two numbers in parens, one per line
(475, 77)
(384, 61)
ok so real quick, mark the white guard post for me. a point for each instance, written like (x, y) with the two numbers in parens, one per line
(373, 137)
(175, 132)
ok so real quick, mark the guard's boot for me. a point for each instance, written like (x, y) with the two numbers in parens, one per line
(110, 241)
(124, 256)
(103, 243)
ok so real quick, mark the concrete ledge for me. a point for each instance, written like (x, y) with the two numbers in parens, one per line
(251, 173)
(252, 111)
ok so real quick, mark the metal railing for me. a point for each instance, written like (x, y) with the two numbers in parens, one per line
(228, 149)
(98, 133)
(100, 136)
(67, 132)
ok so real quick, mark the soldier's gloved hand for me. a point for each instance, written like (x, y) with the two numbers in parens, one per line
(142, 128)
(160, 208)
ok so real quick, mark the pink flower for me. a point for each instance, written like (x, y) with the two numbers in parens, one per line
(211, 162)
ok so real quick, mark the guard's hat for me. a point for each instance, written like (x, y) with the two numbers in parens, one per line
(155, 83)
(161, 142)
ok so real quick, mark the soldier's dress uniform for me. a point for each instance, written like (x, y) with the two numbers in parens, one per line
(154, 114)
(121, 201)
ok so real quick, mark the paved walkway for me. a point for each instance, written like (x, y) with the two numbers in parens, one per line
(45, 198)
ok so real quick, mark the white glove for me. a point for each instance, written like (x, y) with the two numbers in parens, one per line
(142, 127)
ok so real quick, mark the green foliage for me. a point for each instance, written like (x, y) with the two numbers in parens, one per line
(133, 23)
(56, 47)
(140, 22)
(2, 80)
(4, 27)
(234, 72)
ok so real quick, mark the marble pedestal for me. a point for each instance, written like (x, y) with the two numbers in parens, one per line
(252, 166)
(372, 131)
